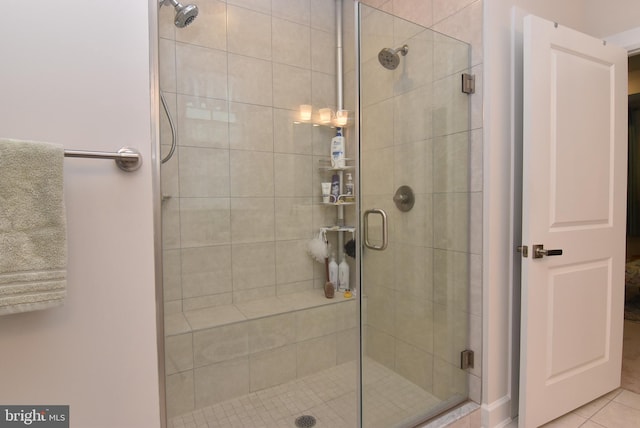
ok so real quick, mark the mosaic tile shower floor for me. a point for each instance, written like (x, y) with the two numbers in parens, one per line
(330, 396)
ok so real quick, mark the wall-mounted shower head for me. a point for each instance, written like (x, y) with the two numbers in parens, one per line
(390, 59)
(185, 14)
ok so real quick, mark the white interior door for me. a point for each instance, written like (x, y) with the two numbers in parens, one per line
(574, 199)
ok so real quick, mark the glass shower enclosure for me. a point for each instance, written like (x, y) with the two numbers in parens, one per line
(251, 340)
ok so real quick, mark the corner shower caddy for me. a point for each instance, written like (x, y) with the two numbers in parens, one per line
(340, 228)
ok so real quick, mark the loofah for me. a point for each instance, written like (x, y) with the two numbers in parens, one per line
(318, 248)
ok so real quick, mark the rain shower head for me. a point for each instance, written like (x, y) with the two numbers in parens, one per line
(390, 59)
(185, 14)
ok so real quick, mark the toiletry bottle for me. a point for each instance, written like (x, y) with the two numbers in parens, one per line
(348, 188)
(337, 150)
(333, 271)
(335, 188)
(343, 274)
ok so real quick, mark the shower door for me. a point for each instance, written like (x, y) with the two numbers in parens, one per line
(415, 292)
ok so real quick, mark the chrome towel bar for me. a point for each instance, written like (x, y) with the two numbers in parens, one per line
(126, 158)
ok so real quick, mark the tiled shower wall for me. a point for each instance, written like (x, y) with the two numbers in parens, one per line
(241, 194)
(424, 295)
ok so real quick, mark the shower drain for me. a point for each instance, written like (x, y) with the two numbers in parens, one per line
(305, 421)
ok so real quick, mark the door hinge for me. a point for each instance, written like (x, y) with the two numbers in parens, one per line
(468, 83)
(466, 359)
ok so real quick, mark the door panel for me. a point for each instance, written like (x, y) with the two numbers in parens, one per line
(575, 137)
(574, 196)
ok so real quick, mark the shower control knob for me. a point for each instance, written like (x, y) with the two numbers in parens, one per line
(404, 198)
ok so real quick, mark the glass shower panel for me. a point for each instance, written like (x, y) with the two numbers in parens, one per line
(414, 132)
(250, 338)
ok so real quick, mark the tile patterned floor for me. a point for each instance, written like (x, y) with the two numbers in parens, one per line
(618, 409)
(330, 396)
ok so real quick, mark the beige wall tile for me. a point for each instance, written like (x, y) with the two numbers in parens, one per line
(206, 270)
(293, 10)
(412, 115)
(251, 294)
(257, 5)
(222, 343)
(451, 163)
(250, 127)
(291, 86)
(323, 56)
(271, 332)
(463, 24)
(315, 322)
(316, 354)
(203, 122)
(249, 32)
(414, 321)
(204, 172)
(380, 347)
(254, 265)
(201, 302)
(221, 381)
(293, 218)
(323, 15)
(180, 395)
(252, 220)
(250, 80)
(451, 56)
(201, 319)
(167, 51)
(419, 11)
(273, 367)
(293, 175)
(291, 43)
(251, 174)
(290, 137)
(450, 107)
(171, 275)
(323, 92)
(201, 71)
(347, 346)
(414, 364)
(377, 125)
(293, 264)
(178, 353)
(451, 221)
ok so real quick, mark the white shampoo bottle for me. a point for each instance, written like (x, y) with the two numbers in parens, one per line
(333, 271)
(343, 274)
(338, 150)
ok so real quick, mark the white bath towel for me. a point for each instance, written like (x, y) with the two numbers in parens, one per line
(33, 237)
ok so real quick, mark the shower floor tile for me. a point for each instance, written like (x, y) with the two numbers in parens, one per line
(330, 396)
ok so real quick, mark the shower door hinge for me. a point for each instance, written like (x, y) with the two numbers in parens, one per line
(466, 359)
(468, 83)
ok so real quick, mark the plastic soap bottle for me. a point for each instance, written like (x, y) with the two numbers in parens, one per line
(338, 150)
(348, 188)
(333, 271)
(343, 274)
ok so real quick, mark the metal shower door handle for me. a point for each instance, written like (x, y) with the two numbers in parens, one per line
(385, 238)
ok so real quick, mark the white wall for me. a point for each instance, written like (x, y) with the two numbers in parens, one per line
(499, 395)
(78, 75)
